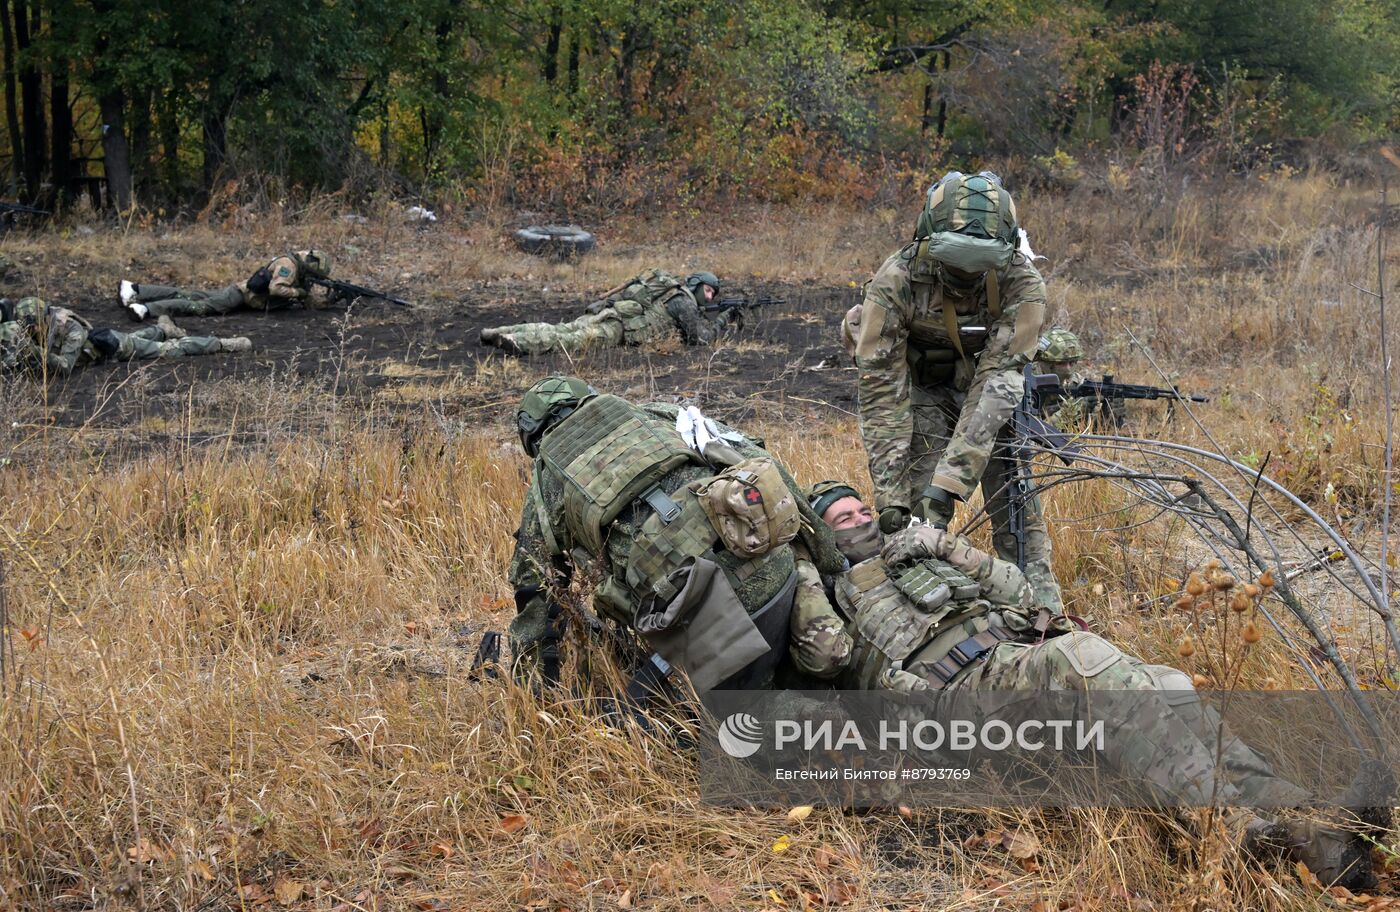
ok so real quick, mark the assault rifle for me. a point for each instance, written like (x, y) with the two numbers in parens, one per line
(1030, 435)
(727, 304)
(347, 291)
(7, 208)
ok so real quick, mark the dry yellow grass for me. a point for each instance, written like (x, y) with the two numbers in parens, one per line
(236, 671)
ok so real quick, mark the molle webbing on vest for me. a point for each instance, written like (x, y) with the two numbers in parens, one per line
(608, 453)
(889, 627)
(662, 548)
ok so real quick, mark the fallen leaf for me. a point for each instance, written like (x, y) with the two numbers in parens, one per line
(29, 633)
(906, 812)
(144, 852)
(783, 843)
(799, 813)
(201, 869)
(411, 627)
(773, 895)
(441, 849)
(825, 858)
(625, 900)
(513, 823)
(287, 891)
(1307, 878)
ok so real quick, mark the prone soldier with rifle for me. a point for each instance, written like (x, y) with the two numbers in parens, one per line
(1070, 400)
(648, 309)
(302, 277)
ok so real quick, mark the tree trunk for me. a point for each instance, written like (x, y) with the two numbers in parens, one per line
(943, 102)
(139, 114)
(11, 103)
(551, 47)
(116, 156)
(573, 62)
(215, 143)
(170, 143)
(623, 70)
(61, 121)
(31, 89)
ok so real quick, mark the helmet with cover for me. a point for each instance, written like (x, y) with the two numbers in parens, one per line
(1060, 346)
(317, 262)
(976, 205)
(546, 404)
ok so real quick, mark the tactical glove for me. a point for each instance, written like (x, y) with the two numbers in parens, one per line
(893, 518)
(915, 543)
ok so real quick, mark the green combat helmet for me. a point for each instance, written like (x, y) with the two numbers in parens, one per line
(976, 205)
(546, 404)
(30, 310)
(316, 262)
(1060, 346)
(696, 279)
(825, 493)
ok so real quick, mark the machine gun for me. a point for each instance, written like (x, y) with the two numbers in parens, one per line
(724, 305)
(1108, 389)
(347, 291)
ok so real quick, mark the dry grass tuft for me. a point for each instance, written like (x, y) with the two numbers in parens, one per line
(237, 649)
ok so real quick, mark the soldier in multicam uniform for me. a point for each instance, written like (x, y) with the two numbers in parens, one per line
(701, 541)
(1060, 353)
(930, 613)
(642, 311)
(41, 338)
(282, 282)
(946, 327)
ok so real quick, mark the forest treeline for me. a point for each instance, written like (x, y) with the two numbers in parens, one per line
(564, 103)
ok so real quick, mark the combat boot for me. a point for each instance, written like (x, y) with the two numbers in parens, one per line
(128, 292)
(507, 344)
(1336, 856)
(236, 344)
(168, 327)
(489, 336)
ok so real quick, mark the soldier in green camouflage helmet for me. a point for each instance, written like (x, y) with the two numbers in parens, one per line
(930, 613)
(695, 534)
(42, 338)
(284, 281)
(946, 327)
(644, 310)
(1060, 353)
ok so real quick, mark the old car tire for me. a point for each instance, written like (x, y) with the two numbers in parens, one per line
(554, 240)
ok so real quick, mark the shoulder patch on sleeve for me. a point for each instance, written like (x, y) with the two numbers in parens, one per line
(283, 271)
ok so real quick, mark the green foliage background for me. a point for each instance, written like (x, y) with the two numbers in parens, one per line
(568, 103)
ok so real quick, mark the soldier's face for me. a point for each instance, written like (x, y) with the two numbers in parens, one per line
(847, 513)
(707, 292)
(1061, 369)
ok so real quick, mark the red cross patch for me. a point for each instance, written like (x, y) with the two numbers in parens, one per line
(751, 496)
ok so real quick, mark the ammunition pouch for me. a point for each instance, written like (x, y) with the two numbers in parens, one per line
(933, 367)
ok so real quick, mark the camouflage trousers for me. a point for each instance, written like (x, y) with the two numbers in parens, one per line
(935, 415)
(622, 323)
(600, 330)
(1173, 747)
(150, 342)
(163, 300)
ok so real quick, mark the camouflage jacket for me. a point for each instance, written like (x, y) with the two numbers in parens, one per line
(897, 334)
(57, 343)
(535, 570)
(657, 289)
(288, 284)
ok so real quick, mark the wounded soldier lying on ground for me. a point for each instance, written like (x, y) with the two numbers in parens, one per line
(989, 635)
(40, 338)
